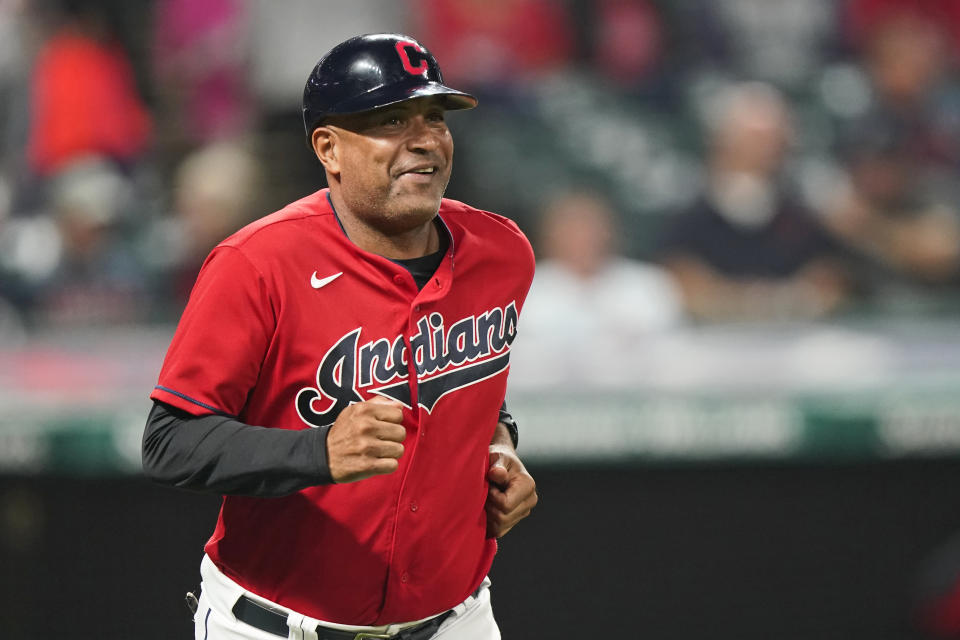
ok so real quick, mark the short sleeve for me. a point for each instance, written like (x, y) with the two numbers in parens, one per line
(215, 356)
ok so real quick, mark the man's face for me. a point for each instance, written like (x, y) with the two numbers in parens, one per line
(393, 163)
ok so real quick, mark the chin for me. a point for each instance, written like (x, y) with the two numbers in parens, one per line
(401, 215)
(416, 207)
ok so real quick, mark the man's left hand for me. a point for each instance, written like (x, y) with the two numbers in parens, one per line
(513, 492)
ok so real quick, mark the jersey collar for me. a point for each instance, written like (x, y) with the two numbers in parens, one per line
(441, 226)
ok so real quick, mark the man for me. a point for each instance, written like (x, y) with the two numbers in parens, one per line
(338, 375)
(748, 248)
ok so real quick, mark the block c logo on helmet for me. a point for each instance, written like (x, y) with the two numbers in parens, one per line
(402, 47)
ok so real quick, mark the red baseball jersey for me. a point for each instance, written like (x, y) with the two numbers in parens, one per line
(290, 322)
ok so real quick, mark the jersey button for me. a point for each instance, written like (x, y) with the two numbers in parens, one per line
(398, 279)
(404, 577)
(413, 505)
(416, 308)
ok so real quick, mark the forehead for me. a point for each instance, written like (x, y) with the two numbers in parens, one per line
(424, 103)
(410, 107)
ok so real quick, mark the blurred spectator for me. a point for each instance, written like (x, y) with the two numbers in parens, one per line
(95, 279)
(201, 51)
(628, 39)
(782, 42)
(905, 230)
(588, 305)
(623, 40)
(486, 43)
(862, 17)
(749, 249)
(901, 151)
(215, 191)
(83, 96)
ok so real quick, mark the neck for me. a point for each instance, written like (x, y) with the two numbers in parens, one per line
(398, 245)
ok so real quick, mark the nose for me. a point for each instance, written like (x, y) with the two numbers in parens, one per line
(423, 137)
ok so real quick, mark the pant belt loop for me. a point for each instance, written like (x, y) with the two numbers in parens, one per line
(309, 627)
(295, 622)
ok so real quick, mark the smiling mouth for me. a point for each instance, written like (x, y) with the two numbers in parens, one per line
(424, 171)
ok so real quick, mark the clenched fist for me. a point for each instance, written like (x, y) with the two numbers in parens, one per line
(366, 440)
(513, 492)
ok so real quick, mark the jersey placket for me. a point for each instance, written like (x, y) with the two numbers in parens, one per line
(402, 580)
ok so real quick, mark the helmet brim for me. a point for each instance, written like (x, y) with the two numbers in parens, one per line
(393, 94)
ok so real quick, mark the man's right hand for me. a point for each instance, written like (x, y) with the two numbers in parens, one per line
(366, 440)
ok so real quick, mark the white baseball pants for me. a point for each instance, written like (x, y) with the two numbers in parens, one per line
(472, 619)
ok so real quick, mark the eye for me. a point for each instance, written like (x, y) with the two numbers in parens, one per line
(436, 116)
(391, 120)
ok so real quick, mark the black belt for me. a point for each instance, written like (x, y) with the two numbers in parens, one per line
(274, 621)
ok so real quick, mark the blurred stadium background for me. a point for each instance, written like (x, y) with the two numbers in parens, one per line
(738, 378)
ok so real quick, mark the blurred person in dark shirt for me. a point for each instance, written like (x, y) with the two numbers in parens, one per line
(749, 248)
(96, 279)
(901, 154)
(906, 233)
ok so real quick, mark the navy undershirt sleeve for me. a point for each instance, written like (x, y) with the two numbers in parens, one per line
(217, 454)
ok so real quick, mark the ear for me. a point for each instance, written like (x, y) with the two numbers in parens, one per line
(325, 145)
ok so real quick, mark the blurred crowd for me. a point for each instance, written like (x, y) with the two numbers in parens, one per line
(673, 162)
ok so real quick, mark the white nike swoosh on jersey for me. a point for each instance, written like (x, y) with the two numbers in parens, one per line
(316, 282)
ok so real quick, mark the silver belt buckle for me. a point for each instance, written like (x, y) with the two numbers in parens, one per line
(364, 634)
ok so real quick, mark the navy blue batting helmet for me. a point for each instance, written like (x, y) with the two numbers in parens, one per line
(373, 71)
